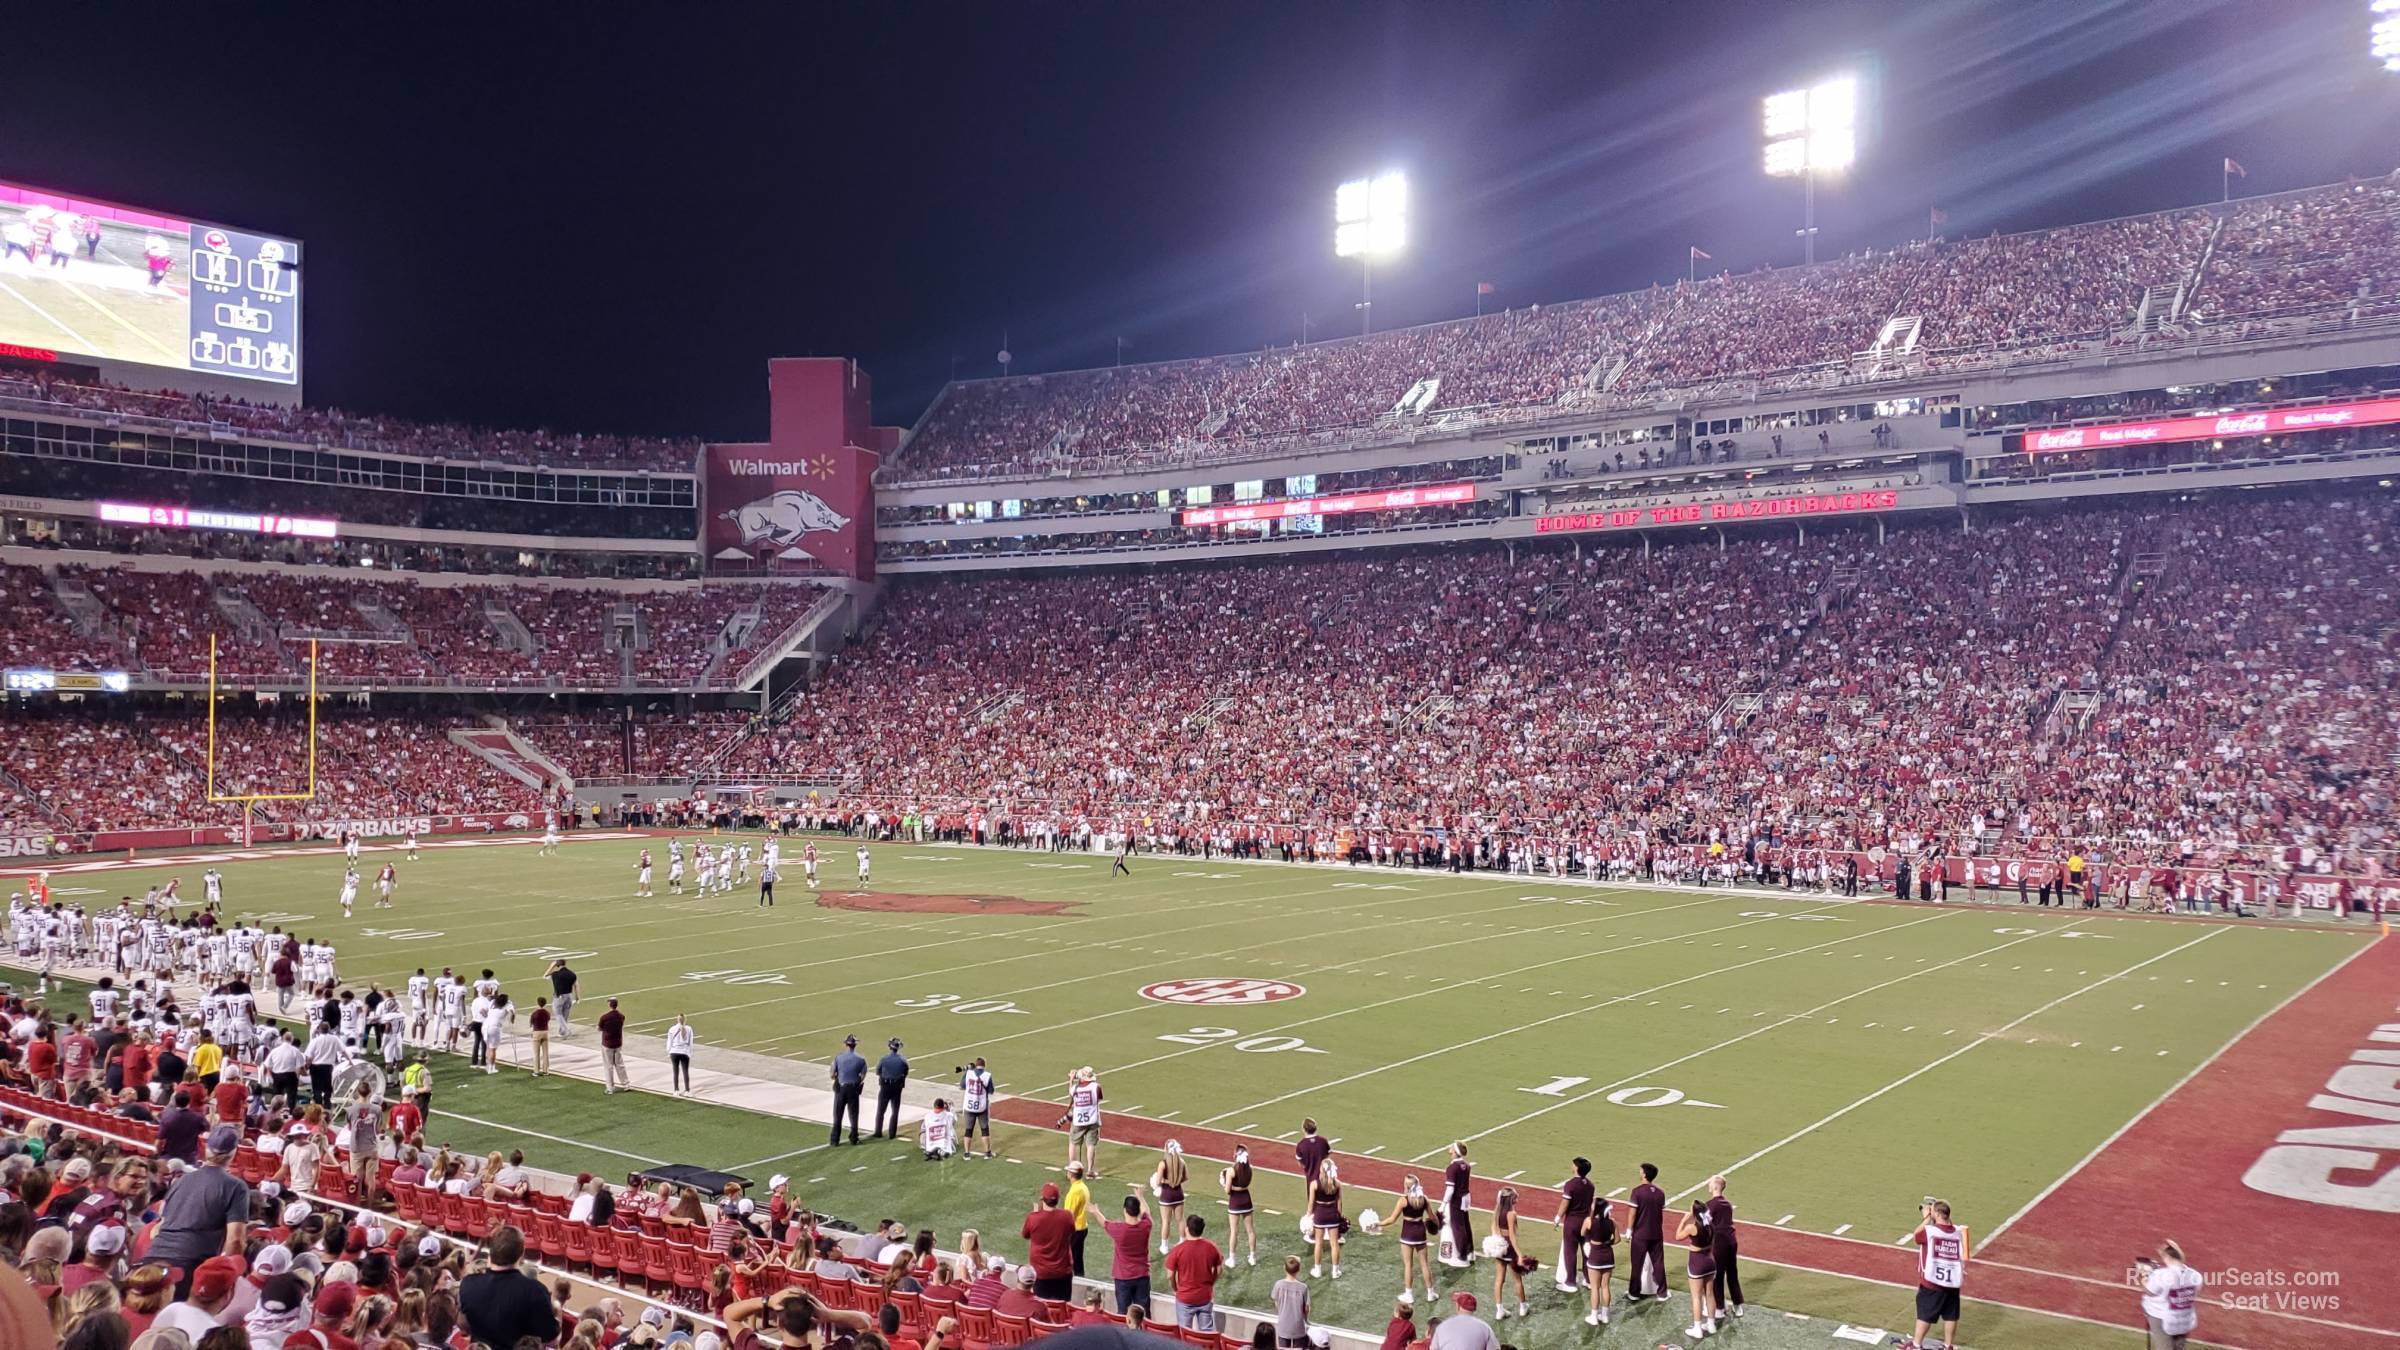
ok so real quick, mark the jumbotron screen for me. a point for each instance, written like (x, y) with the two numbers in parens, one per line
(87, 278)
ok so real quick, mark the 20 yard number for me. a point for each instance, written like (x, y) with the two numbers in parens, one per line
(1256, 1045)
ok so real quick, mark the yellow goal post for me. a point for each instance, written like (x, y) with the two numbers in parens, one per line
(250, 797)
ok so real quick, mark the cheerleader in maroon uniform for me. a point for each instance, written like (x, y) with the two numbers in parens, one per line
(1326, 1222)
(1166, 1183)
(1700, 1270)
(1599, 1259)
(1238, 1223)
(1514, 1264)
(1416, 1217)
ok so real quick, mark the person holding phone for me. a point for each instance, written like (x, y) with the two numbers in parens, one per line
(2170, 1296)
(1941, 1270)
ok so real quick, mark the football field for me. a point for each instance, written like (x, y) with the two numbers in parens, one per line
(1838, 1060)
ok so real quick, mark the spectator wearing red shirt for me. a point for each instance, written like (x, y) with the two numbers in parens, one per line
(1049, 1233)
(41, 1056)
(141, 1060)
(1017, 1300)
(233, 1101)
(406, 1118)
(1401, 1332)
(1129, 1267)
(80, 1052)
(1195, 1265)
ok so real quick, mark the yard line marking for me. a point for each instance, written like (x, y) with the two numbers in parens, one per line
(1983, 1039)
(1758, 1030)
(1841, 1230)
(553, 1138)
(1170, 1115)
(1462, 982)
(1403, 998)
(2177, 1086)
(1784, 1220)
(795, 1153)
(863, 1167)
(907, 976)
(1559, 1017)
(1370, 1152)
(1514, 1175)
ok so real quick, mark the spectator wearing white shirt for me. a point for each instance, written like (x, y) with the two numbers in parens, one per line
(679, 1054)
(2170, 1297)
(494, 1028)
(324, 1051)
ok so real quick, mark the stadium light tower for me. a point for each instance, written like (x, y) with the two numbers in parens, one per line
(2384, 36)
(1370, 221)
(1811, 132)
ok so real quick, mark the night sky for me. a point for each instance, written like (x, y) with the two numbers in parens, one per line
(608, 216)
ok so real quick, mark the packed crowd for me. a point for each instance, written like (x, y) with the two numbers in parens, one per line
(371, 629)
(360, 431)
(2031, 292)
(1895, 693)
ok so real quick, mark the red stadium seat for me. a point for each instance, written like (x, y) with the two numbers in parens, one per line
(1012, 1330)
(606, 1244)
(977, 1327)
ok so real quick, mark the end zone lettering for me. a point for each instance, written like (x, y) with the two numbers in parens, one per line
(1697, 513)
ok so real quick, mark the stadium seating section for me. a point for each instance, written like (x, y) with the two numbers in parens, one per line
(2219, 672)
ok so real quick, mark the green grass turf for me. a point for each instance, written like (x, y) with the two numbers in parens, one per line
(1851, 1057)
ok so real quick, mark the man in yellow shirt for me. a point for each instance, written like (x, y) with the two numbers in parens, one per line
(208, 1060)
(1078, 1202)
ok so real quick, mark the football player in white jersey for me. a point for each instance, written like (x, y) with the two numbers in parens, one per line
(350, 848)
(675, 872)
(549, 846)
(212, 887)
(450, 1014)
(349, 891)
(742, 864)
(862, 864)
(725, 871)
(104, 1001)
(420, 1004)
(808, 864)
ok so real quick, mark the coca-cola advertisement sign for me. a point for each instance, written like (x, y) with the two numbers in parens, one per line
(2268, 422)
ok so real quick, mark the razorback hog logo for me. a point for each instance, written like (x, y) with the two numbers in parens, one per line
(782, 518)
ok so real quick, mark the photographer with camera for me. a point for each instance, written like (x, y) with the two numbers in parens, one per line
(2170, 1296)
(1941, 1269)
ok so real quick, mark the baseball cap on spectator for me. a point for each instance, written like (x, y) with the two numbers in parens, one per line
(708, 1340)
(48, 1244)
(224, 1140)
(77, 1169)
(273, 1259)
(429, 1246)
(108, 1239)
(216, 1275)
(778, 1181)
(643, 1335)
(337, 1300)
(1464, 1300)
(654, 1316)
(296, 1213)
(283, 1293)
(1049, 1191)
(270, 1189)
(377, 1235)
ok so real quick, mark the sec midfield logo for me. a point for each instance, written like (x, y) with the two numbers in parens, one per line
(1222, 993)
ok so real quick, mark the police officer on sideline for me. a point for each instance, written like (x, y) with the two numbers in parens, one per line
(891, 1075)
(849, 1082)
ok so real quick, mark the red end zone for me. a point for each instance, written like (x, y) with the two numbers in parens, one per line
(2277, 1168)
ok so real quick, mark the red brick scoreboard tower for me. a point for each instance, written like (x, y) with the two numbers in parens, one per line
(804, 499)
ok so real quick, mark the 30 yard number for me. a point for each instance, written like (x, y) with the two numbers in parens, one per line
(970, 1007)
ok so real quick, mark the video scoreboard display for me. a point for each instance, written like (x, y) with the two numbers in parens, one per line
(83, 278)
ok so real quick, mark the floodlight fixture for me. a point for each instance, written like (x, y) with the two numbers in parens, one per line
(1814, 131)
(1370, 221)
